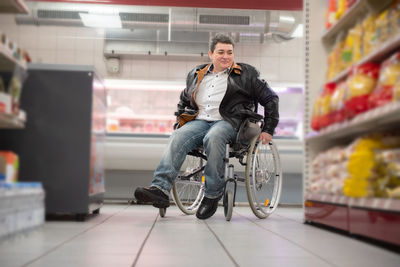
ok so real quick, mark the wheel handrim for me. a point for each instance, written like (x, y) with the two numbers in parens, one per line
(263, 178)
(189, 191)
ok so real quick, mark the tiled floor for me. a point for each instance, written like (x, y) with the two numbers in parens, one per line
(124, 235)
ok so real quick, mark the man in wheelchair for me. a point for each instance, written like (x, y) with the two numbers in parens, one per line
(217, 99)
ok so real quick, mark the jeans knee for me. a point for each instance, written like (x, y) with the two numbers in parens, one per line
(213, 141)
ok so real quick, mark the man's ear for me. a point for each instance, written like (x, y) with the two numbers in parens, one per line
(210, 54)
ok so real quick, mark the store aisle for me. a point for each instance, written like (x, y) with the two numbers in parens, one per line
(124, 235)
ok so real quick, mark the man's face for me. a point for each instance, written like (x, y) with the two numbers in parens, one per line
(222, 57)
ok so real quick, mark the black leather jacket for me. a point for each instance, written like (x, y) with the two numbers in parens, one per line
(244, 91)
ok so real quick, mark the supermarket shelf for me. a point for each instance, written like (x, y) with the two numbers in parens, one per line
(373, 119)
(340, 76)
(383, 204)
(13, 6)
(378, 55)
(8, 121)
(7, 61)
(347, 20)
(333, 199)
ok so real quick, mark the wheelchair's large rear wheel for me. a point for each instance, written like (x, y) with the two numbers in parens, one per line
(188, 189)
(263, 178)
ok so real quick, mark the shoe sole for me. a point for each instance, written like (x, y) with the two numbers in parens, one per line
(145, 196)
(205, 217)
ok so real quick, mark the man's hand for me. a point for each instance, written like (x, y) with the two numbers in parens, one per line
(265, 138)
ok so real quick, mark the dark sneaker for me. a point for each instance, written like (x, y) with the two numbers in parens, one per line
(152, 195)
(207, 208)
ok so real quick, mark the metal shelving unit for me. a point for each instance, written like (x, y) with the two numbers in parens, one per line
(13, 6)
(8, 63)
(376, 218)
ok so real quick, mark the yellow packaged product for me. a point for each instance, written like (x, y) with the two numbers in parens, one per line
(396, 91)
(331, 70)
(368, 28)
(341, 9)
(381, 31)
(347, 53)
(361, 166)
(357, 50)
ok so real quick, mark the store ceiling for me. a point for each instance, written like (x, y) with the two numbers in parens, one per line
(295, 5)
(146, 29)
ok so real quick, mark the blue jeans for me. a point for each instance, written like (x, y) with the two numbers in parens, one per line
(213, 136)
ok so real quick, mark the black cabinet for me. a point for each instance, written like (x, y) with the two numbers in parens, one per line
(62, 144)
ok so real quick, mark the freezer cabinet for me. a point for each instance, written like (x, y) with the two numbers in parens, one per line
(62, 144)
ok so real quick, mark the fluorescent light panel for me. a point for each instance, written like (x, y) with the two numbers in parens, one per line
(101, 20)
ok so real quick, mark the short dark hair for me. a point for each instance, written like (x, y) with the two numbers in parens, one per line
(220, 38)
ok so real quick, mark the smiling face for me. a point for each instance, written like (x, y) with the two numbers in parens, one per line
(222, 57)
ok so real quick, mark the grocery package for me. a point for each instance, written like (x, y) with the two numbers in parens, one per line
(361, 167)
(329, 172)
(9, 164)
(330, 14)
(335, 62)
(372, 166)
(388, 77)
(315, 119)
(325, 105)
(360, 84)
(336, 9)
(341, 8)
(15, 89)
(396, 91)
(388, 172)
(22, 207)
(369, 27)
(352, 49)
(386, 25)
(338, 113)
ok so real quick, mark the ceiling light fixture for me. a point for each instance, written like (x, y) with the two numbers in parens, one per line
(101, 20)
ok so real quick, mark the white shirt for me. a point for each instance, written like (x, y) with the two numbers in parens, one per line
(210, 93)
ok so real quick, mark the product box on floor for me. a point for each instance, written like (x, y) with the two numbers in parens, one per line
(21, 206)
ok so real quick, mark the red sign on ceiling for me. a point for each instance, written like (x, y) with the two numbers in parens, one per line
(295, 5)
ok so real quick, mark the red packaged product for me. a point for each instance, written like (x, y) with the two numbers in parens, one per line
(388, 77)
(325, 105)
(360, 84)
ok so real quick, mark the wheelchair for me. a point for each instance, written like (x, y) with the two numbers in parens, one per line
(263, 178)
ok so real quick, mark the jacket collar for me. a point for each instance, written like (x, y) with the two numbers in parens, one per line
(235, 68)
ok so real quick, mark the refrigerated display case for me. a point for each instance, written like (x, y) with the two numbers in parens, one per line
(365, 214)
(147, 107)
(62, 144)
(142, 107)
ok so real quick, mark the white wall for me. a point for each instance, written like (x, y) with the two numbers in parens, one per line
(76, 45)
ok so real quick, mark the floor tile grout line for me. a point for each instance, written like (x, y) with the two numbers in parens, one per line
(294, 220)
(71, 238)
(287, 239)
(222, 245)
(144, 242)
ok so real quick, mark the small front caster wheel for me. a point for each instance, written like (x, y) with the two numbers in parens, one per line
(162, 212)
(228, 204)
